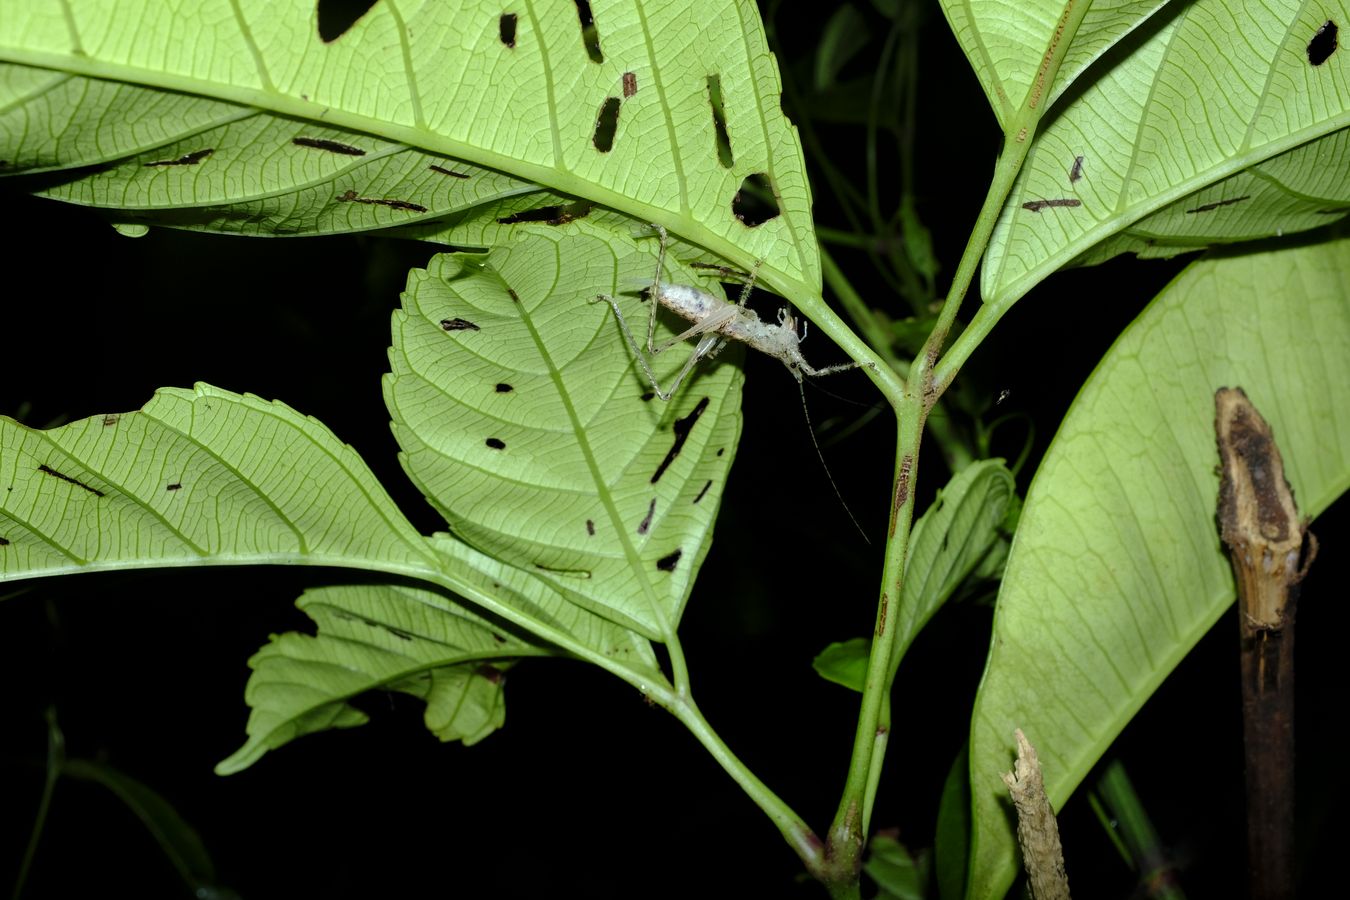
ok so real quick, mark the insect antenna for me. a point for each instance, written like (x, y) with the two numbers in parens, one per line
(824, 465)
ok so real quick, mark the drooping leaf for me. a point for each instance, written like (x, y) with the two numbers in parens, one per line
(371, 636)
(1116, 568)
(525, 420)
(1005, 42)
(530, 92)
(1181, 111)
(206, 477)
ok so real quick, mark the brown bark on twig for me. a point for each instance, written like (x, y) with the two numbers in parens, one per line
(1260, 524)
(1037, 830)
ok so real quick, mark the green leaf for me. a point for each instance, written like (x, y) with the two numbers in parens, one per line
(1299, 189)
(845, 34)
(197, 477)
(399, 637)
(439, 77)
(207, 477)
(1116, 568)
(526, 422)
(268, 175)
(898, 874)
(951, 540)
(1005, 42)
(1171, 130)
(844, 662)
(951, 842)
(52, 120)
(176, 838)
(918, 241)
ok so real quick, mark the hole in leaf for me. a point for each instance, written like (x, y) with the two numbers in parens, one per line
(755, 203)
(606, 124)
(549, 215)
(681, 429)
(496, 443)
(506, 27)
(1210, 207)
(590, 36)
(336, 17)
(444, 171)
(629, 84)
(719, 115)
(667, 563)
(504, 388)
(645, 525)
(330, 146)
(1323, 43)
(707, 484)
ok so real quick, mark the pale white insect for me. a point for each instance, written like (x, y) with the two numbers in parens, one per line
(716, 321)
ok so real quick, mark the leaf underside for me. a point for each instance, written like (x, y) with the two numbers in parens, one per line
(524, 419)
(398, 637)
(257, 125)
(1116, 569)
(1208, 124)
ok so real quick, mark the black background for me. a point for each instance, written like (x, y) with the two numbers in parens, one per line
(587, 791)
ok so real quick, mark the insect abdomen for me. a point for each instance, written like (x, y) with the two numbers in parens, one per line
(688, 301)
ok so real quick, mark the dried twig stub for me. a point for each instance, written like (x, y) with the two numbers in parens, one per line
(1037, 830)
(1260, 524)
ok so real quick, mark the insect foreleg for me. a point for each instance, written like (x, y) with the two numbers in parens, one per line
(749, 284)
(830, 370)
(655, 290)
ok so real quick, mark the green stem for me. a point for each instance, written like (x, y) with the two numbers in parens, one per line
(883, 736)
(954, 450)
(56, 759)
(794, 830)
(847, 832)
(828, 235)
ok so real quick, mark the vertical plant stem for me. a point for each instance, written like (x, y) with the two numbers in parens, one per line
(847, 832)
(56, 758)
(1126, 823)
